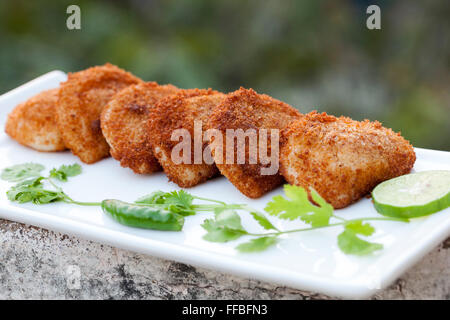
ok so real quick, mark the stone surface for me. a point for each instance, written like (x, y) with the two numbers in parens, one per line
(41, 264)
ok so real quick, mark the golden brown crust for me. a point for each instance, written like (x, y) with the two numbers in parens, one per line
(245, 109)
(81, 100)
(124, 125)
(342, 159)
(33, 122)
(176, 112)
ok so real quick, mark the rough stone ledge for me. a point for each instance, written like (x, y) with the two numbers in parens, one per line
(39, 264)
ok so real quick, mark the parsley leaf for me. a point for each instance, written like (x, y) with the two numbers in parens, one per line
(32, 190)
(263, 221)
(224, 227)
(63, 172)
(258, 244)
(21, 172)
(297, 205)
(350, 243)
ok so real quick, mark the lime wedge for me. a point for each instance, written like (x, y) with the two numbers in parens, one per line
(413, 195)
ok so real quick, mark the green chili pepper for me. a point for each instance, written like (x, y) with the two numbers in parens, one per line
(143, 216)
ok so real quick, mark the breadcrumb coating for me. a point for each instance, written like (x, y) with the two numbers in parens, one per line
(124, 125)
(245, 109)
(33, 122)
(179, 111)
(81, 100)
(342, 159)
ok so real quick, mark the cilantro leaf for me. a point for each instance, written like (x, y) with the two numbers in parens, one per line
(258, 244)
(180, 198)
(350, 243)
(358, 227)
(297, 205)
(21, 172)
(229, 219)
(63, 172)
(224, 227)
(177, 201)
(32, 190)
(18, 192)
(156, 197)
(219, 234)
(263, 221)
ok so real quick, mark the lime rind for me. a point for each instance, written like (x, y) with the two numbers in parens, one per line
(413, 195)
(413, 211)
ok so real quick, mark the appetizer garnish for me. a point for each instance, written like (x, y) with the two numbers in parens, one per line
(413, 195)
(166, 211)
(226, 225)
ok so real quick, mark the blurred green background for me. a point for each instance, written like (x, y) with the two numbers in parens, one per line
(311, 54)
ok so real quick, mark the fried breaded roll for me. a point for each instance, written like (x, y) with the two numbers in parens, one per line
(124, 125)
(33, 122)
(340, 158)
(81, 100)
(172, 124)
(245, 111)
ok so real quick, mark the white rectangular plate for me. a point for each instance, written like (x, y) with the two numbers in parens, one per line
(309, 261)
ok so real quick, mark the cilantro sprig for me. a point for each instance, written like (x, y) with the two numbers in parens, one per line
(295, 205)
(182, 203)
(33, 187)
(166, 211)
